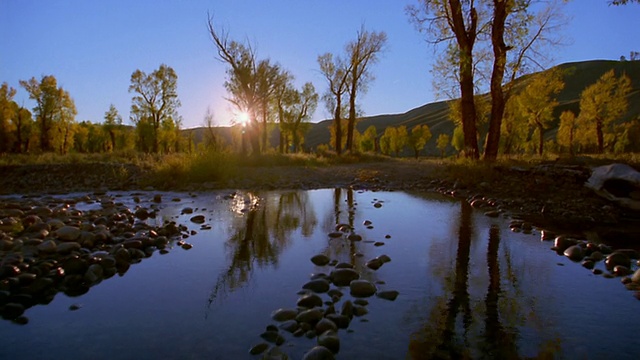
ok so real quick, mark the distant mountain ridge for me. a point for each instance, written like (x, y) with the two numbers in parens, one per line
(436, 114)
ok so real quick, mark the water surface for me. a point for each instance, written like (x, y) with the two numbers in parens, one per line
(468, 286)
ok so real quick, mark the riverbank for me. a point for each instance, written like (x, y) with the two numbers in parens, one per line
(549, 194)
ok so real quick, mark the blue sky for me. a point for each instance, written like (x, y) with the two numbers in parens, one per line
(92, 47)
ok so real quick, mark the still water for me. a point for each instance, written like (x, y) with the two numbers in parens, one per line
(468, 286)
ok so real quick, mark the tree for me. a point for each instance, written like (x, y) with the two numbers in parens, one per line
(394, 140)
(54, 106)
(302, 108)
(112, 124)
(156, 98)
(442, 142)
(336, 72)
(455, 22)
(368, 139)
(567, 130)
(24, 128)
(420, 135)
(536, 102)
(7, 113)
(362, 53)
(623, 2)
(464, 27)
(603, 103)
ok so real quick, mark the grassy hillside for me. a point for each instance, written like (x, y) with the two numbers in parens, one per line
(436, 115)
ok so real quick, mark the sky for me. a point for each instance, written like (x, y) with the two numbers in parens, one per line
(93, 47)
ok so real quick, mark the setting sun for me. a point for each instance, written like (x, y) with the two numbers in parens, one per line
(243, 118)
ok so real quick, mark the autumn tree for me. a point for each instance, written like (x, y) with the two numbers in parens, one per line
(362, 53)
(302, 106)
(54, 108)
(604, 102)
(336, 71)
(7, 113)
(536, 101)
(442, 142)
(567, 131)
(394, 140)
(420, 135)
(112, 124)
(156, 99)
(368, 139)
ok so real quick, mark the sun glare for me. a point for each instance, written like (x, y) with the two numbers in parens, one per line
(243, 118)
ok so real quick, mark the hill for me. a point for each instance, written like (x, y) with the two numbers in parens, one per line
(436, 115)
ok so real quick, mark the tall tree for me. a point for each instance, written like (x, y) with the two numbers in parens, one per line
(156, 98)
(112, 124)
(567, 130)
(7, 113)
(53, 106)
(420, 135)
(336, 71)
(603, 103)
(368, 140)
(442, 142)
(455, 22)
(363, 52)
(537, 101)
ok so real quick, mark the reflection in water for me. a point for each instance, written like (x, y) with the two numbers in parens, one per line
(456, 328)
(260, 233)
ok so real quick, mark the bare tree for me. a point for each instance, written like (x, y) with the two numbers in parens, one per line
(336, 71)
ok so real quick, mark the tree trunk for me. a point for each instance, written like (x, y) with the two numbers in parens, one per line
(338, 126)
(351, 123)
(541, 141)
(497, 75)
(600, 136)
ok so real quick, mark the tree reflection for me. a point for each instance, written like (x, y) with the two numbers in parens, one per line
(453, 329)
(260, 234)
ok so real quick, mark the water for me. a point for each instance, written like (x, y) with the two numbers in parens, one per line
(469, 287)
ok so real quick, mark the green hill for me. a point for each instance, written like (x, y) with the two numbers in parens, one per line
(436, 115)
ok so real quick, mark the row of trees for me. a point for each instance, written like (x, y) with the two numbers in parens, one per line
(264, 92)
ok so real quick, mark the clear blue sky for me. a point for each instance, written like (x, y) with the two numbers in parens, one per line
(92, 47)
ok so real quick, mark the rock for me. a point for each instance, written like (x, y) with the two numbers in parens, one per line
(187, 210)
(362, 288)
(290, 326)
(384, 258)
(310, 301)
(68, 233)
(343, 277)
(617, 258)
(318, 353)
(374, 264)
(617, 183)
(335, 235)
(325, 324)
(320, 259)
(574, 253)
(310, 316)
(65, 248)
(258, 349)
(273, 337)
(317, 285)
(48, 246)
(341, 321)
(344, 265)
(562, 243)
(620, 270)
(330, 340)
(198, 219)
(388, 294)
(284, 314)
(354, 237)
(588, 264)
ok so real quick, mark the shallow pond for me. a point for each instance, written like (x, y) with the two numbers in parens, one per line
(468, 286)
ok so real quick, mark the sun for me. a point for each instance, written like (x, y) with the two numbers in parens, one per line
(243, 118)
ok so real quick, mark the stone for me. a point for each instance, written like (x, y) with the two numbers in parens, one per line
(317, 285)
(341, 321)
(617, 258)
(562, 243)
(325, 324)
(48, 246)
(617, 183)
(320, 260)
(374, 264)
(65, 248)
(284, 314)
(198, 219)
(343, 277)
(309, 301)
(574, 253)
(362, 288)
(636, 277)
(289, 326)
(330, 340)
(388, 294)
(258, 349)
(68, 233)
(318, 353)
(310, 316)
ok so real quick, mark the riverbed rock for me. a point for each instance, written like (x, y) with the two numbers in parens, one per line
(68, 233)
(636, 277)
(325, 324)
(374, 264)
(310, 316)
(362, 288)
(343, 277)
(320, 259)
(318, 353)
(390, 295)
(619, 183)
(574, 252)
(317, 285)
(310, 301)
(330, 340)
(284, 314)
(617, 258)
